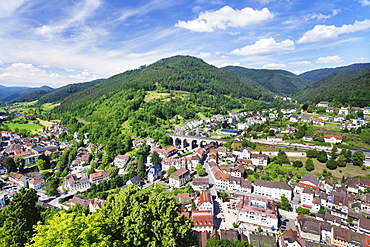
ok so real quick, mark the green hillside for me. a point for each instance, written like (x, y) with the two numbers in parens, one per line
(11, 93)
(65, 91)
(35, 95)
(151, 100)
(328, 83)
(355, 92)
(277, 81)
(318, 74)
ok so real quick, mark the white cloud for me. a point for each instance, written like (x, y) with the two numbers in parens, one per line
(322, 16)
(329, 59)
(323, 33)
(205, 54)
(84, 75)
(300, 63)
(8, 7)
(230, 64)
(226, 17)
(365, 2)
(25, 71)
(361, 59)
(265, 47)
(274, 66)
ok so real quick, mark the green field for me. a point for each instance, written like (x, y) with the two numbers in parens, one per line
(13, 126)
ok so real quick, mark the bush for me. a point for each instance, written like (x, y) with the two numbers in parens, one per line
(301, 210)
(297, 163)
(331, 164)
(309, 165)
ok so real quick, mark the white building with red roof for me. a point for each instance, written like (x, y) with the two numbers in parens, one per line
(36, 184)
(308, 181)
(205, 202)
(202, 221)
(98, 177)
(333, 138)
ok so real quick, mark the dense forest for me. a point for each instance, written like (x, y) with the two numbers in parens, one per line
(277, 81)
(318, 74)
(11, 93)
(355, 92)
(328, 83)
(35, 95)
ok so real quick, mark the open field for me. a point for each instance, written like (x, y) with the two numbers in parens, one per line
(48, 123)
(13, 126)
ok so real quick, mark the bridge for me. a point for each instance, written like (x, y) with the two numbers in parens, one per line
(195, 141)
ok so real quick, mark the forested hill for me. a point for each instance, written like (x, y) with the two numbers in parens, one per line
(354, 93)
(318, 74)
(328, 83)
(277, 81)
(35, 95)
(182, 73)
(65, 91)
(151, 100)
(10, 93)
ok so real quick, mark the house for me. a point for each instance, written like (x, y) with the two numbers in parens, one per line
(164, 153)
(275, 138)
(330, 109)
(309, 228)
(95, 204)
(343, 111)
(324, 117)
(221, 179)
(364, 225)
(346, 237)
(202, 221)
(308, 181)
(322, 104)
(3, 169)
(259, 159)
(339, 118)
(308, 199)
(179, 178)
(36, 184)
(272, 189)
(318, 122)
(333, 138)
(154, 173)
(80, 200)
(307, 138)
(98, 177)
(240, 184)
(121, 160)
(290, 238)
(76, 181)
(293, 118)
(200, 184)
(135, 181)
(306, 119)
(205, 202)
(18, 178)
(258, 212)
(355, 185)
(359, 121)
(367, 110)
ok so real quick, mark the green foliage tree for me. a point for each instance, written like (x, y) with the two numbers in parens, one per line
(132, 217)
(51, 186)
(10, 165)
(171, 170)
(20, 217)
(201, 172)
(41, 164)
(297, 163)
(341, 161)
(155, 159)
(284, 203)
(309, 166)
(283, 157)
(358, 158)
(311, 153)
(322, 156)
(141, 167)
(333, 152)
(20, 162)
(301, 210)
(331, 164)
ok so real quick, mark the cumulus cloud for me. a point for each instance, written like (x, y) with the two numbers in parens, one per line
(361, 59)
(265, 47)
(365, 2)
(323, 33)
(329, 59)
(84, 75)
(300, 63)
(322, 16)
(274, 66)
(26, 71)
(230, 64)
(226, 17)
(204, 54)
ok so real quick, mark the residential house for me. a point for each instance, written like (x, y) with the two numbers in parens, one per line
(308, 181)
(179, 178)
(240, 184)
(307, 138)
(345, 237)
(164, 153)
(293, 118)
(333, 138)
(322, 104)
(324, 117)
(259, 159)
(343, 111)
(154, 173)
(80, 200)
(318, 122)
(205, 202)
(355, 185)
(306, 119)
(359, 121)
(272, 189)
(245, 153)
(98, 177)
(134, 181)
(76, 181)
(121, 160)
(18, 178)
(367, 110)
(202, 221)
(221, 179)
(339, 118)
(3, 169)
(258, 212)
(364, 225)
(95, 204)
(308, 199)
(200, 184)
(290, 238)
(309, 228)
(330, 109)
(36, 184)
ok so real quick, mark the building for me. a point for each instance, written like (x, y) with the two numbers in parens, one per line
(344, 237)
(163, 153)
(333, 138)
(179, 178)
(76, 181)
(36, 184)
(221, 179)
(98, 177)
(121, 160)
(275, 138)
(95, 204)
(154, 173)
(205, 202)
(343, 111)
(272, 189)
(202, 221)
(308, 181)
(259, 159)
(322, 104)
(18, 178)
(258, 212)
(134, 181)
(200, 184)
(262, 240)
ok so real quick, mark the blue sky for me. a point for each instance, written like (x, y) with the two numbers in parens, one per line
(57, 42)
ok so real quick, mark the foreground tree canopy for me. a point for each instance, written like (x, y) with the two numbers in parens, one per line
(131, 218)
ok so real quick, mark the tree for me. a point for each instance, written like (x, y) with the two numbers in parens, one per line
(155, 159)
(331, 164)
(309, 165)
(51, 187)
(358, 158)
(284, 203)
(301, 210)
(132, 217)
(198, 166)
(322, 156)
(283, 157)
(20, 162)
(41, 164)
(10, 165)
(311, 153)
(141, 167)
(201, 172)
(341, 161)
(171, 170)
(333, 152)
(297, 163)
(21, 215)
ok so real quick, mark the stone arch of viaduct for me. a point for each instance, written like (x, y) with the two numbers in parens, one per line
(194, 141)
